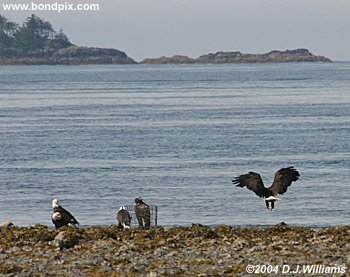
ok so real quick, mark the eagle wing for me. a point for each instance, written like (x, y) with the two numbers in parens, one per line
(253, 182)
(68, 217)
(283, 179)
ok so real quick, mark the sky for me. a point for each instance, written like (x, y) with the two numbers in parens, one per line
(154, 28)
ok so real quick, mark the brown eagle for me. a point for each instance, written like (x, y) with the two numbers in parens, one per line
(283, 179)
(143, 213)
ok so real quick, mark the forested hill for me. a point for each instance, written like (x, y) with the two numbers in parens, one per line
(36, 42)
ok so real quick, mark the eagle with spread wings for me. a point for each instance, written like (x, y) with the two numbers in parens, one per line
(283, 179)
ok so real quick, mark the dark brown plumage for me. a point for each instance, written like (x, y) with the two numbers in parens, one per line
(143, 213)
(283, 179)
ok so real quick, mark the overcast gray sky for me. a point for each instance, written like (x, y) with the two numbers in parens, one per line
(153, 28)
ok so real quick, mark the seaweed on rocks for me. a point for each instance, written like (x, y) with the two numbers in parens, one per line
(163, 251)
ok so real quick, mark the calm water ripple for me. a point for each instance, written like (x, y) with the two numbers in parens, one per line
(97, 136)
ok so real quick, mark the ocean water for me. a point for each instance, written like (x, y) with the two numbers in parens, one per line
(96, 136)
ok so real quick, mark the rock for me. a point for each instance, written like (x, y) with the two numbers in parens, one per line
(6, 225)
(296, 55)
(66, 240)
(70, 55)
(27, 248)
(90, 55)
(167, 228)
(177, 59)
(14, 249)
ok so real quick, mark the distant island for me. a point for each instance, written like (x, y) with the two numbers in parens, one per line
(297, 55)
(36, 42)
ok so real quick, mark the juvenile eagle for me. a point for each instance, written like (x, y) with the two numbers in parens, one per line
(283, 179)
(61, 217)
(143, 213)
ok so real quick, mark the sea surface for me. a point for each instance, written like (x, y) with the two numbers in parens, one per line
(96, 136)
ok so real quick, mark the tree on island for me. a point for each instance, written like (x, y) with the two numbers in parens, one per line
(34, 34)
(59, 41)
(36, 42)
(7, 31)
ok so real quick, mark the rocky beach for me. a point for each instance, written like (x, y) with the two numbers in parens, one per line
(195, 250)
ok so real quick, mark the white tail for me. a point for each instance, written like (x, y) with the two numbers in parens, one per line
(272, 199)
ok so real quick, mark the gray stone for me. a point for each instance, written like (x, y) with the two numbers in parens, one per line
(65, 240)
(6, 224)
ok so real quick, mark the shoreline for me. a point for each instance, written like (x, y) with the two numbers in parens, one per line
(164, 64)
(76, 55)
(245, 226)
(169, 250)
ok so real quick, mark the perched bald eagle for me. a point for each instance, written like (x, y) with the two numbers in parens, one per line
(283, 179)
(124, 218)
(143, 213)
(61, 217)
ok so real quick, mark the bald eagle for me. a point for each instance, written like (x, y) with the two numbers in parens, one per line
(283, 179)
(143, 213)
(123, 217)
(61, 217)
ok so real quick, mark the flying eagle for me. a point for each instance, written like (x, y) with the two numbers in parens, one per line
(143, 213)
(124, 218)
(283, 179)
(61, 217)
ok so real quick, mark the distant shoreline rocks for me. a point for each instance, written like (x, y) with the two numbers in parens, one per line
(177, 59)
(76, 55)
(93, 55)
(73, 55)
(275, 56)
(35, 42)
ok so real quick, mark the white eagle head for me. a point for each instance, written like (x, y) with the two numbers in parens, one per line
(55, 203)
(138, 200)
